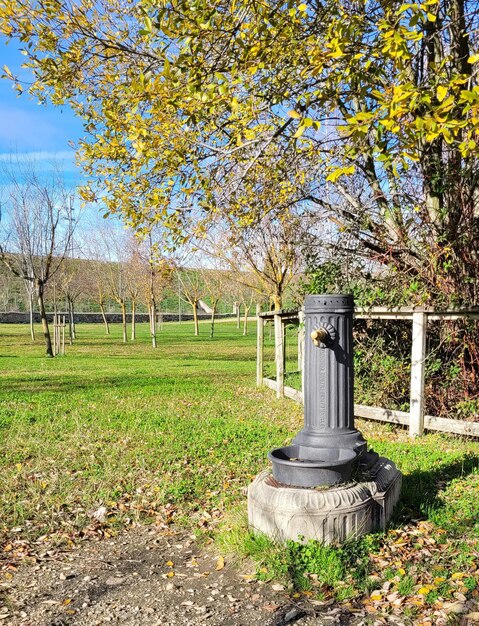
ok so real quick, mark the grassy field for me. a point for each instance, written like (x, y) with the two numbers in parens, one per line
(177, 434)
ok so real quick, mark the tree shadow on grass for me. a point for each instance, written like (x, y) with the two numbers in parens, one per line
(422, 490)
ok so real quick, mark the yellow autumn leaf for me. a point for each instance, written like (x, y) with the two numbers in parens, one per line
(220, 563)
(333, 177)
(457, 576)
(170, 574)
(441, 92)
(170, 563)
(294, 114)
(299, 132)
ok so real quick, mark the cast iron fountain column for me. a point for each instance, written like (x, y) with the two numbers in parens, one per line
(325, 450)
(328, 375)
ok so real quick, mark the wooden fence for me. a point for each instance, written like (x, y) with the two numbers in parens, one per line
(415, 418)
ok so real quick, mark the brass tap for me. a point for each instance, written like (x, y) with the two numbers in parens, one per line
(319, 335)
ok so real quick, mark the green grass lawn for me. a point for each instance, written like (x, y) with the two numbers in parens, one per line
(177, 433)
(130, 427)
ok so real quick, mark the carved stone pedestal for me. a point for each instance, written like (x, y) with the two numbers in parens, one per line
(330, 515)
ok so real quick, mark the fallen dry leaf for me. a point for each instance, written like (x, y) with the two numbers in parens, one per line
(473, 617)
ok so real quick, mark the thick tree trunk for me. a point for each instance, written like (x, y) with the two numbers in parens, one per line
(123, 320)
(195, 318)
(41, 306)
(105, 321)
(133, 320)
(277, 301)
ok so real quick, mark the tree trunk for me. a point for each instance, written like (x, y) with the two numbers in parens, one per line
(105, 321)
(245, 321)
(153, 324)
(213, 315)
(41, 306)
(195, 318)
(71, 320)
(133, 320)
(30, 305)
(72, 309)
(277, 301)
(123, 320)
(238, 314)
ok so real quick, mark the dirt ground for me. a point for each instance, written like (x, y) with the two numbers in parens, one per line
(149, 577)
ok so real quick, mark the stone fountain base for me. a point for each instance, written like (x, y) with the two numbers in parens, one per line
(330, 515)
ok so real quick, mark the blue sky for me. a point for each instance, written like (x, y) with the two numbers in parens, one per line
(30, 129)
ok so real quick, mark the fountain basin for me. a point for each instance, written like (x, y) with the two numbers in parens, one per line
(302, 466)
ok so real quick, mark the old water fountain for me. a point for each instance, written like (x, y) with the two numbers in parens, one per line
(326, 485)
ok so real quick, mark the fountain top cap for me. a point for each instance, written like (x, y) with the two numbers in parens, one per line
(327, 302)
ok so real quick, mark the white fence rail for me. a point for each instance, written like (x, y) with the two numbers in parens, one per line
(416, 419)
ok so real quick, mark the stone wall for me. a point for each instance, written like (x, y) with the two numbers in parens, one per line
(16, 317)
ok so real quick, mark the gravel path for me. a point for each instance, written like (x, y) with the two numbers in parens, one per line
(147, 577)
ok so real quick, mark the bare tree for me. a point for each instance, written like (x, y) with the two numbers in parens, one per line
(71, 280)
(157, 277)
(98, 283)
(34, 238)
(264, 256)
(192, 289)
(215, 280)
(248, 296)
(135, 273)
(116, 269)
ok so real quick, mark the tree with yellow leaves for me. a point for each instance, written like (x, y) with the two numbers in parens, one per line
(379, 101)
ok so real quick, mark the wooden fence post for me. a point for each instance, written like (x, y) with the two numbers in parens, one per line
(63, 335)
(279, 355)
(418, 362)
(259, 351)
